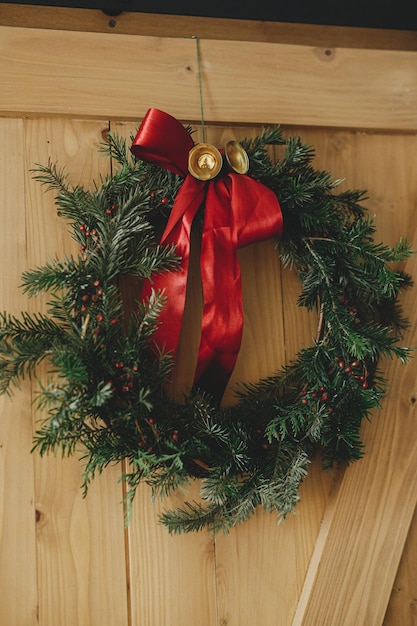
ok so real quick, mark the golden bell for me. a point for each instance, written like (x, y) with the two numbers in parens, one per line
(204, 161)
(236, 157)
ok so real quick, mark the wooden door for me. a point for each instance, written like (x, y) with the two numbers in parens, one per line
(346, 557)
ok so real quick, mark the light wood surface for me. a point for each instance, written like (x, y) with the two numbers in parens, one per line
(86, 74)
(161, 566)
(402, 602)
(364, 529)
(18, 582)
(77, 539)
(167, 25)
(347, 556)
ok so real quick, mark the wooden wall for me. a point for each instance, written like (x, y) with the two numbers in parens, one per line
(347, 556)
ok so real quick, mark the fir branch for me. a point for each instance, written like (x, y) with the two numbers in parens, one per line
(192, 518)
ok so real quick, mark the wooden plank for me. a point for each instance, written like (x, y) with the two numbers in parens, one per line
(260, 565)
(162, 25)
(18, 582)
(375, 503)
(81, 548)
(293, 543)
(108, 75)
(362, 563)
(385, 166)
(402, 604)
(162, 566)
(172, 577)
(352, 573)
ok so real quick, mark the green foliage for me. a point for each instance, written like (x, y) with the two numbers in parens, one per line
(106, 392)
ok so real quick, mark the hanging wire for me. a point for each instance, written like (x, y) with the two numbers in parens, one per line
(200, 84)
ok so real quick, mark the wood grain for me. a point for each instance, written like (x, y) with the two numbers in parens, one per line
(333, 563)
(77, 540)
(362, 563)
(261, 565)
(162, 25)
(402, 606)
(18, 577)
(89, 72)
(274, 557)
(172, 579)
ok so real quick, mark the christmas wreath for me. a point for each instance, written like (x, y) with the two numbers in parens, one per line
(110, 366)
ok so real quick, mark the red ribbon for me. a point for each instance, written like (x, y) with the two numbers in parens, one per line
(238, 211)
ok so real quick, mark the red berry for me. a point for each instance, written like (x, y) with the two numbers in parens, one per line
(151, 421)
(96, 283)
(164, 200)
(114, 321)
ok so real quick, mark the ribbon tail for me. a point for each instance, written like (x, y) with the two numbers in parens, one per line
(222, 323)
(239, 211)
(174, 284)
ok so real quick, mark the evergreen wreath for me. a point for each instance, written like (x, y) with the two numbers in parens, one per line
(108, 392)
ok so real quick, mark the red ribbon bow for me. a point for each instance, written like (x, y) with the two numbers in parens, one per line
(238, 211)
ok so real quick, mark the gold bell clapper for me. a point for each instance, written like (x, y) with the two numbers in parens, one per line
(236, 157)
(205, 161)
